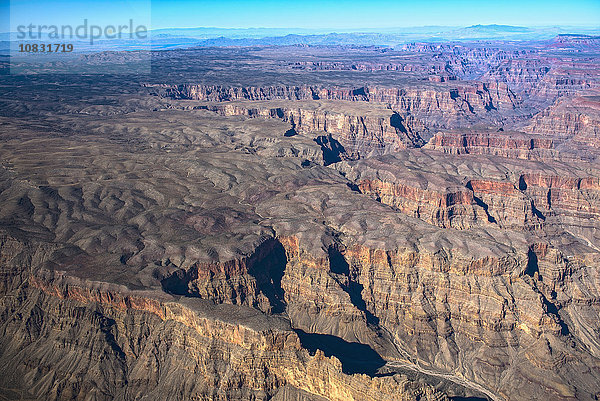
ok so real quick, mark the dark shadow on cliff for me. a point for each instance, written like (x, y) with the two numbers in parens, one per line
(536, 212)
(332, 149)
(355, 357)
(360, 92)
(485, 208)
(339, 265)
(522, 183)
(106, 327)
(401, 126)
(267, 266)
(481, 204)
(177, 283)
(532, 263)
(397, 122)
(550, 307)
(291, 132)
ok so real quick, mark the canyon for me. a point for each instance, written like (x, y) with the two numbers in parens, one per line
(305, 223)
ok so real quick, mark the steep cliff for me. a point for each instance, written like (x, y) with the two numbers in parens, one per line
(362, 128)
(443, 105)
(463, 192)
(576, 119)
(67, 338)
(498, 143)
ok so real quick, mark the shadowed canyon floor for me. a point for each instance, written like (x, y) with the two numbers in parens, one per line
(305, 223)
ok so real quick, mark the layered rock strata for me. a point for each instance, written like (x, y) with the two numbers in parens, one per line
(115, 343)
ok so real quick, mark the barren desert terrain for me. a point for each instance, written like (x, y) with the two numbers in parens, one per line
(305, 223)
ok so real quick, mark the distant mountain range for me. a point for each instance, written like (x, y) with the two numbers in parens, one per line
(165, 38)
(171, 38)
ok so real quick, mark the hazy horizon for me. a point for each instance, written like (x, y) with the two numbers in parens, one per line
(365, 30)
(376, 29)
(311, 14)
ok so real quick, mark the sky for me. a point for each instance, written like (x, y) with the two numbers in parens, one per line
(367, 14)
(344, 14)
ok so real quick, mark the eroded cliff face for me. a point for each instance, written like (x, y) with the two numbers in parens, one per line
(521, 74)
(571, 119)
(568, 79)
(363, 130)
(447, 312)
(461, 197)
(438, 307)
(452, 117)
(68, 338)
(446, 106)
(498, 143)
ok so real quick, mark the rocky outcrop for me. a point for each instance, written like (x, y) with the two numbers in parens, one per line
(498, 143)
(435, 68)
(576, 119)
(440, 309)
(466, 61)
(567, 78)
(449, 208)
(455, 100)
(446, 106)
(520, 74)
(362, 129)
(476, 98)
(436, 307)
(245, 281)
(574, 40)
(568, 199)
(529, 198)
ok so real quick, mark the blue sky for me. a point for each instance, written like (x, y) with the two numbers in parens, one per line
(344, 14)
(362, 14)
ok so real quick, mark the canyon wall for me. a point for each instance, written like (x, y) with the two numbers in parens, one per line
(67, 338)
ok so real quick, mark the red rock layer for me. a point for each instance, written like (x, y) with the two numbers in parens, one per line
(439, 196)
(445, 209)
(513, 145)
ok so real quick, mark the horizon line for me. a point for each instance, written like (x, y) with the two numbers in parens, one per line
(387, 27)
